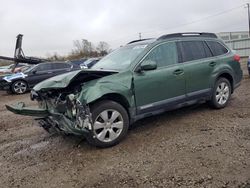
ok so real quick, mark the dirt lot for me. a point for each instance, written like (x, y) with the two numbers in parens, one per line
(190, 147)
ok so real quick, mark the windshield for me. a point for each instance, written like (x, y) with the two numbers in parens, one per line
(120, 59)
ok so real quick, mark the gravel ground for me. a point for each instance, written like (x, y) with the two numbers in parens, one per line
(189, 147)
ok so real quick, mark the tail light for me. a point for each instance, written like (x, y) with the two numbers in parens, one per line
(237, 58)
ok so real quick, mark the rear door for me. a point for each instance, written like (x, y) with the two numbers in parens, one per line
(162, 87)
(198, 65)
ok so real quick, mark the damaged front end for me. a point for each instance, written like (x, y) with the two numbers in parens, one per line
(59, 108)
(60, 113)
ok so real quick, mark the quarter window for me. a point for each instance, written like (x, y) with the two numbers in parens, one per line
(163, 55)
(192, 50)
(216, 48)
(43, 67)
(60, 66)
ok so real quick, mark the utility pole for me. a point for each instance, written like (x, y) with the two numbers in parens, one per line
(248, 20)
(140, 35)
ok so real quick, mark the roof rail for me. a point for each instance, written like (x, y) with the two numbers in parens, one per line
(133, 41)
(189, 34)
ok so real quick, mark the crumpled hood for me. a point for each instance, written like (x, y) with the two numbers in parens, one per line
(63, 80)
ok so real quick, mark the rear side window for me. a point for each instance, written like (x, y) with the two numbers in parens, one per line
(216, 48)
(192, 50)
(60, 66)
(164, 54)
(43, 67)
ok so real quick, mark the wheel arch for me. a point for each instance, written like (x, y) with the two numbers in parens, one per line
(116, 97)
(229, 77)
(20, 79)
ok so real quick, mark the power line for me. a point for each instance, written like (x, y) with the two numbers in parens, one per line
(184, 24)
(204, 18)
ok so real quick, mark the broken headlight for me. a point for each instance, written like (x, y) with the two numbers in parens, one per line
(79, 112)
(71, 104)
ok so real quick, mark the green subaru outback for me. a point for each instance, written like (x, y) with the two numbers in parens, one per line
(140, 79)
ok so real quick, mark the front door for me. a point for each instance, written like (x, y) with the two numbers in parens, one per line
(40, 73)
(162, 87)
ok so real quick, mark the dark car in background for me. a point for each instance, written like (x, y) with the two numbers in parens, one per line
(20, 82)
(89, 63)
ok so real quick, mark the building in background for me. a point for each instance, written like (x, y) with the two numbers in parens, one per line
(238, 41)
(226, 36)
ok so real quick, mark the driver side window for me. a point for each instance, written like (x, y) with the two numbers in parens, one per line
(164, 54)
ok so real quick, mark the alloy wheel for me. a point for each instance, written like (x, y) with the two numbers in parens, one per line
(19, 87)
(108, 125)
(222, 93)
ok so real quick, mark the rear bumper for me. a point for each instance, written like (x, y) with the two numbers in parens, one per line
(237, 79)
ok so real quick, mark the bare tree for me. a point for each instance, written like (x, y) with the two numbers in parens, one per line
(55, 57)
(84, 49)
(103, 48)
(77, 46)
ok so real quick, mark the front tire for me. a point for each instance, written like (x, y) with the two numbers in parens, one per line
(221, 93)
(110, 124)
(19, 87)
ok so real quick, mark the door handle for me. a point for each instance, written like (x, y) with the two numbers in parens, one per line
(212, 64)
(178, 72)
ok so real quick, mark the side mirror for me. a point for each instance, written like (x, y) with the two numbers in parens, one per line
(148, 65)
(34, 71)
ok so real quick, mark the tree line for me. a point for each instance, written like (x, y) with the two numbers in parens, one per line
(84, 49)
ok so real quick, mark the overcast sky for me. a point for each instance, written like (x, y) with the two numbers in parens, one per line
(50, 26)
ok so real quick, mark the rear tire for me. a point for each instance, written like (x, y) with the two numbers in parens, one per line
(110, 124)
(221, 93)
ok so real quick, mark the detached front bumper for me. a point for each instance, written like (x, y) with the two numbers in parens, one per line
(53, 120)
(20, 108)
